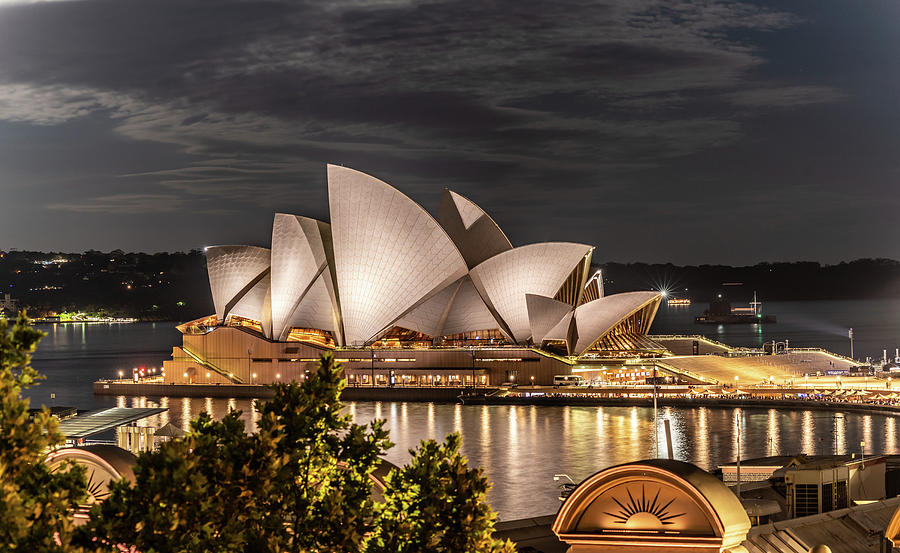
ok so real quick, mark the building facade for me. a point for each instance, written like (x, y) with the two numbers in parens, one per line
(403, 298)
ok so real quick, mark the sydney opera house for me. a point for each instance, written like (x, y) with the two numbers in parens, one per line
(405, 299)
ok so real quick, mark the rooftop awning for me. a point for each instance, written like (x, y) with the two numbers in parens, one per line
(95, 422)
(170, 430)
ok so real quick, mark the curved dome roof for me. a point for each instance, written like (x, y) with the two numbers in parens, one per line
(596, 318)
(234, 271)
(389, 253)
(383, 261)
(314, 310)
(468, 311)
(256, 304)
(116, 460)
(631, 505)
(476, 235)
(540, 269)
(428, 317)
(544, 314)
(298, 259)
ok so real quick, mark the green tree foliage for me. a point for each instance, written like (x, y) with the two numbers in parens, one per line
(203, 493)
(436, 504)
(299, 484)
(302, 483)
(35, 503)
(325, 462)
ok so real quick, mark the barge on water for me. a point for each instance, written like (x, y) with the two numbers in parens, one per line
(721, 312)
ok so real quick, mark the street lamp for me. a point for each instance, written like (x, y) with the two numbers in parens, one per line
(252, 377)
(121, 374)
(532, 381)
(850, 334)
(277, 375)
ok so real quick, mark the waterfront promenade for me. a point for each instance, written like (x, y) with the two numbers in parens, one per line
(720, 375)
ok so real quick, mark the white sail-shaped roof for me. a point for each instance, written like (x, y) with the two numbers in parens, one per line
(593, 290)
(298, 258)
(544, 314)
(428, 318)
(233, 271)
(468, 312)
(540, 269)
(473, 231)
(389, 253)
(384, 261)
(314, 310)
(468, 211)
(560, 331)
(596, 318)
(256, 305)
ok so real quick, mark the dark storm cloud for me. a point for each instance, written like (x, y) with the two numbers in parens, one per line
(553, 115)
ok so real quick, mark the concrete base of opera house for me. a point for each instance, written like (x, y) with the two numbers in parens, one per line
(160, 389)
(237, 356)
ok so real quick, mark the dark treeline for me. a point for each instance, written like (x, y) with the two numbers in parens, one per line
(860, 279)
(174, 286)
(161, 286)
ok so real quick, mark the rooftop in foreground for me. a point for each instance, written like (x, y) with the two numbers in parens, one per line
(95, 422)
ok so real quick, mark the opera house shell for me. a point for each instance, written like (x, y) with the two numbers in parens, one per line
(385, 276)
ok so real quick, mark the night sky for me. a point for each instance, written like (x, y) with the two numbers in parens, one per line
(690, 132)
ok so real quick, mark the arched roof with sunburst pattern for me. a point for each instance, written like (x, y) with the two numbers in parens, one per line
(634, 504)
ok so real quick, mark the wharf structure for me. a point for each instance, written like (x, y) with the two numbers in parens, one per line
(663, 505)
(404, 299)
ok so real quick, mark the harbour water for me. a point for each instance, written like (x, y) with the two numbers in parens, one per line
(521, 448)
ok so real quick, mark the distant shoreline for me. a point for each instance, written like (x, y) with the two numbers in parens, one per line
(165, 287)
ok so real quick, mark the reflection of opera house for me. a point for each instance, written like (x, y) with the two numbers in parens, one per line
(404, 299)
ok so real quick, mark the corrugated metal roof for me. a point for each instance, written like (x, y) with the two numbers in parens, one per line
(857, 529)
(95, 422)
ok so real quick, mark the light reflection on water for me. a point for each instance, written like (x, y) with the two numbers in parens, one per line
(522, 447)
